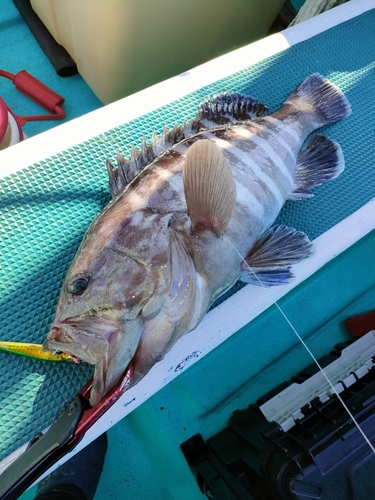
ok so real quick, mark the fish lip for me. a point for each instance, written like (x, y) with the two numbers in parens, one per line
(91, 338)
(86, 344)
(56, 333)
(74, 349)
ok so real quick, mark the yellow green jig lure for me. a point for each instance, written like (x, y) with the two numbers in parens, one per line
(36, 351)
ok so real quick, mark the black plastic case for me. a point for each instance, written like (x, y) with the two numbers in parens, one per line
(323, 456)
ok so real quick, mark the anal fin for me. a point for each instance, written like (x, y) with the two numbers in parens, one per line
(319, 160)
(210, 189)
(269, 262)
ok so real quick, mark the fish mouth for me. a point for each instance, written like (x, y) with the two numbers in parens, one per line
(101, 340)
(85, 346)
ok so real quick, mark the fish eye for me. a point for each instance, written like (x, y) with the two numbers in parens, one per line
(79, 284)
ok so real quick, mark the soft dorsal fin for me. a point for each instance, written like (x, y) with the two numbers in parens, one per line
(320, 160)
(210, 189)
(227, 109)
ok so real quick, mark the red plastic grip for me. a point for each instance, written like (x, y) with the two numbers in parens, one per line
(37, 91)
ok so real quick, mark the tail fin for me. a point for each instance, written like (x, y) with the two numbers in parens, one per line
(325, 96)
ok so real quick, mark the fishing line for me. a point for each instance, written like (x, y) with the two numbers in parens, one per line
(366, 439)
(307, 349)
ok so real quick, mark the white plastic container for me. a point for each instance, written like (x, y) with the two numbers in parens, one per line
(122, 46)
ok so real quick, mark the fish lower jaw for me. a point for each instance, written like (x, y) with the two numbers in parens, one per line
(99, 393)
(75, 350)
(87, 346)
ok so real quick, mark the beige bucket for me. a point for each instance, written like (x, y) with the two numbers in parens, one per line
(122, 46)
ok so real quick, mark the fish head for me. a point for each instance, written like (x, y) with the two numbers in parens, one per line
(110, 290)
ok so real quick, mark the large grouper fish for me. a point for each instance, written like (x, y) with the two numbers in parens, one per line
(191, 214)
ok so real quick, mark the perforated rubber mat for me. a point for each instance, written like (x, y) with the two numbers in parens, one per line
(46, 208)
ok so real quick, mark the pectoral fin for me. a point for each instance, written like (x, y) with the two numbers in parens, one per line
(269, 262)
(209, 186)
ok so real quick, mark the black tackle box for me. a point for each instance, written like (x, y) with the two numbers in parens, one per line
(298, 442)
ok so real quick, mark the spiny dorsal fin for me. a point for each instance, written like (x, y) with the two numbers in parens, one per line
(116, 180)
(209, 186)
(220, 111)
(126, 171)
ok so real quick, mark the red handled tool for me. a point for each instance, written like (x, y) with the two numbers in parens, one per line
(69, 427)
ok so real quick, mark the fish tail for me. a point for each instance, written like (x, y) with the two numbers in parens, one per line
(325, 96)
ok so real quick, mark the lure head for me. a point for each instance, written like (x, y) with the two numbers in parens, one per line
(113, 286)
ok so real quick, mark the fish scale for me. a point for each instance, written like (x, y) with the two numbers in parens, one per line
(273, 147)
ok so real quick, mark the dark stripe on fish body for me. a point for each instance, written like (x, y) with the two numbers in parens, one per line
(281, 152)
(271, 130)
(257, 167)
(299, 117)
(276, 138)
(248, 201)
